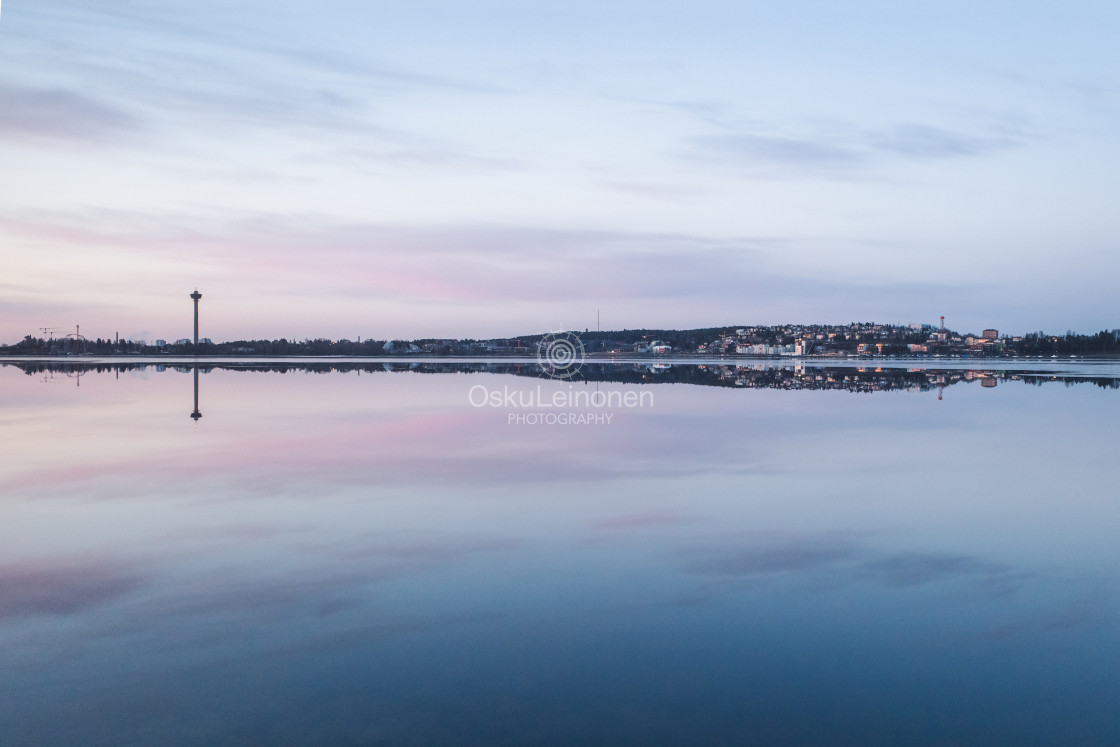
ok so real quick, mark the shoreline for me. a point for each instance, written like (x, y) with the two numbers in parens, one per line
(773, 361)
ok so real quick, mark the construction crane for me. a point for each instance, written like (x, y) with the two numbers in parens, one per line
(49, 331)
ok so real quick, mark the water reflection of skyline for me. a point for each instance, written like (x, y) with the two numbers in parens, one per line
(850, 378)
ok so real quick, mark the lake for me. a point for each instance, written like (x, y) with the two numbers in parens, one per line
(357, 552)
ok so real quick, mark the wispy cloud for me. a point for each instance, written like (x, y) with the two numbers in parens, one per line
(54, 114)
(923, 141)
(399, 150)
(658, 191)
(780, 149)
(844, 152)
(207, 74)
(493, 269)
(448, 263)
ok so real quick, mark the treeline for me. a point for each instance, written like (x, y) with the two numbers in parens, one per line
(1105, 342)
(679, 339)
(79, 346)
(73, 345)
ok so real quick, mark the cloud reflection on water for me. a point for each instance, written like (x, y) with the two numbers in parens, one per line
(379, 539)
(62, 588)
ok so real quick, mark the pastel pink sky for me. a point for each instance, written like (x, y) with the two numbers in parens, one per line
(427, 169)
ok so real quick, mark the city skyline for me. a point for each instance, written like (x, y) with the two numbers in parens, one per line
(428, 170)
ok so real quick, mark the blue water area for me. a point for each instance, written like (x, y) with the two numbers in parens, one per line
(361, 553)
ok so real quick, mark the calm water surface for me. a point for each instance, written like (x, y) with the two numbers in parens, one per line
(753, 556)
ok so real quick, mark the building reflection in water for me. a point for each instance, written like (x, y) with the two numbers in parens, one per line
(744, 374)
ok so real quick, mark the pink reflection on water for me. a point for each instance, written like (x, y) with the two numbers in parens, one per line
(268, 431)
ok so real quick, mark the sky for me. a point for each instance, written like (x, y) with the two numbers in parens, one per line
(448, 169)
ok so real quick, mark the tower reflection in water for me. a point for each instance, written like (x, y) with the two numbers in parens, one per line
(196, 414)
